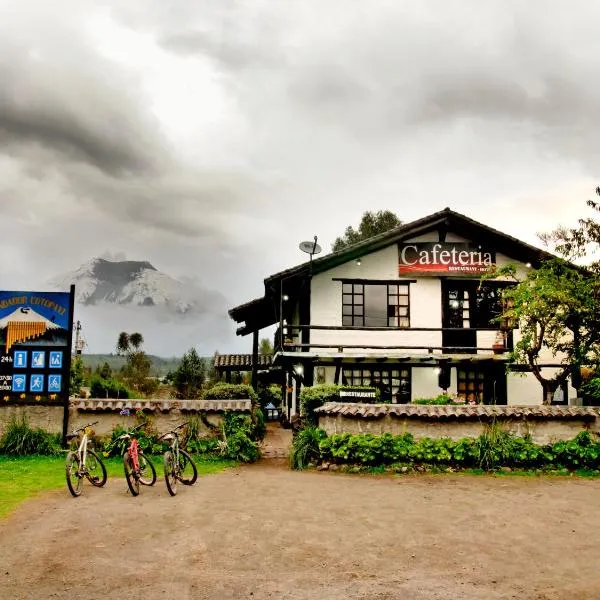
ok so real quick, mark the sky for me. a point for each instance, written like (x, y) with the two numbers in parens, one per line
(210, 138)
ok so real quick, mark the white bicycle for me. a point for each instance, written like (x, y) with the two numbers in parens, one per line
(84, 463)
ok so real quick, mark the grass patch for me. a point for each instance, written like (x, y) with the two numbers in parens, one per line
(25, 477)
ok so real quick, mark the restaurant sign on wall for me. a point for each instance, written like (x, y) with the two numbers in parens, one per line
(444, 258)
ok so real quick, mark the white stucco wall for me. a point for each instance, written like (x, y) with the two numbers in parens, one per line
(425, 311)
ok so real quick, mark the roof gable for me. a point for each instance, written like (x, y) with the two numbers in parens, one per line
(263, 312)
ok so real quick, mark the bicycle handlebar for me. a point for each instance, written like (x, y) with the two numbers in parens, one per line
(84, 427)
(173, 430)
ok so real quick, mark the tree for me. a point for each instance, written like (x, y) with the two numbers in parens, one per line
(136, 371)
(557, 309)
(77, 378)
(189, 378)
(136, 340)
(123, 343)
(265, 346)
(104, 371)
(370, 225)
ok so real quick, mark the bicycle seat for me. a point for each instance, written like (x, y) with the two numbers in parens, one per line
(125, 436)
(167, 436)
(70, 436)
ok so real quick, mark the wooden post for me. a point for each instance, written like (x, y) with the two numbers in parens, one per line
(254, 380)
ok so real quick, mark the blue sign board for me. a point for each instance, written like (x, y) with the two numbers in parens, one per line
(35, 340)
(38, 359)
(18, 383)
(36, 383)
(20, 359)
(54, 383)
(56, 360)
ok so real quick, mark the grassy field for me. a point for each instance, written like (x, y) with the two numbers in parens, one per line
(26, 477)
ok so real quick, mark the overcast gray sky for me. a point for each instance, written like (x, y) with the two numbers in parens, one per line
(211, 137)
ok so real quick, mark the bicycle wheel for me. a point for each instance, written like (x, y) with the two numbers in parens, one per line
(132, 481)
(170, 472)
(95, 470)
(147, 470)
(187, 469)
(74, 478)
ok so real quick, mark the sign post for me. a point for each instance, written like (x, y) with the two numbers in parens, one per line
(36, 331)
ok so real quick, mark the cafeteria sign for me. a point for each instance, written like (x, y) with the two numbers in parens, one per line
(440, 258)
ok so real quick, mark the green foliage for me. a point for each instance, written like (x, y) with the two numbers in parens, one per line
(312, 397)
(495, 448)
(77, 378)
(259, 429)
(556, 307)
(371, 224)
(147, 437)
(108, 388)
(592, 388)
(238, 443)
(104, 371)
(230, 391)
(265, 346)
(442, 399)
(270, 393)
(20, 439)
(188, 379)
(305, 447)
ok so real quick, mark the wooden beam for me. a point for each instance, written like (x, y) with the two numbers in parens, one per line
(254, 380)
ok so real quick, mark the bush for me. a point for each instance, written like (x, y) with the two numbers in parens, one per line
(147, 437)
(440, 400)
(231, 391)
(20, 439)
(305, 447)
(270, 393)
(237, 443)
(494, 448)
(108, 388)
(314, 396)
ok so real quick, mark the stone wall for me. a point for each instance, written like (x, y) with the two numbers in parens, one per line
(165, 414)
(544, 424)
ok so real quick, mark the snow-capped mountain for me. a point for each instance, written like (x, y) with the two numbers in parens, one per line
(129, 282)
(28, 315)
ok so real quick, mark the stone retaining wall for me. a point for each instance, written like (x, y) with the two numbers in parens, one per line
(165, 414)
(544, 424)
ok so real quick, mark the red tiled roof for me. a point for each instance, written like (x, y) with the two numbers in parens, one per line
(241, 361)
(479, 411)
(111, 405)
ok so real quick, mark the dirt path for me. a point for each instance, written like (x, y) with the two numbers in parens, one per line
(265, 532)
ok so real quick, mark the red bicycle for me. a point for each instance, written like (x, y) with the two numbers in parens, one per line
(138, 469)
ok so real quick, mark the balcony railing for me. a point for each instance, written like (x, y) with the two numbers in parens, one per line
(502, 343)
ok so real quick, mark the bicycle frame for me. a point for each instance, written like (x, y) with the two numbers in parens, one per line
(133, 450)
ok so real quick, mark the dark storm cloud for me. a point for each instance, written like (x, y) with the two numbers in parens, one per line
(86, 117)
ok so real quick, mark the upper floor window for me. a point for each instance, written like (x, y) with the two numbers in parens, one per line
(375, 304)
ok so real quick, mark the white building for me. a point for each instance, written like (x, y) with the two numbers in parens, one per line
(405, 311)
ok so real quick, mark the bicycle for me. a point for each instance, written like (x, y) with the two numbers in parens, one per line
(83, 463)
(138, 469)
(177, 462)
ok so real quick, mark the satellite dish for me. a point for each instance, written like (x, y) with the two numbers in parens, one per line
(310, 247)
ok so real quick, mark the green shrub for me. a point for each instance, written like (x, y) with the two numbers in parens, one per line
(20, 439)
(108, 388)
(269, 393)
(494, 448)
(231, 391)
(147, 437)
(314, 396)
(438, 400)
(305, 447)
(238, 443)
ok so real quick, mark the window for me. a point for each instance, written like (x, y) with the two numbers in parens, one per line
(471, 385)
(375, 304)
(393, 384)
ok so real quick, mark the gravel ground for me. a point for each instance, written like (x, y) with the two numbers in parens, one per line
(263, 531)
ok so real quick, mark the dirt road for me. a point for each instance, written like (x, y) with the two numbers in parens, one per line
(265, 532)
